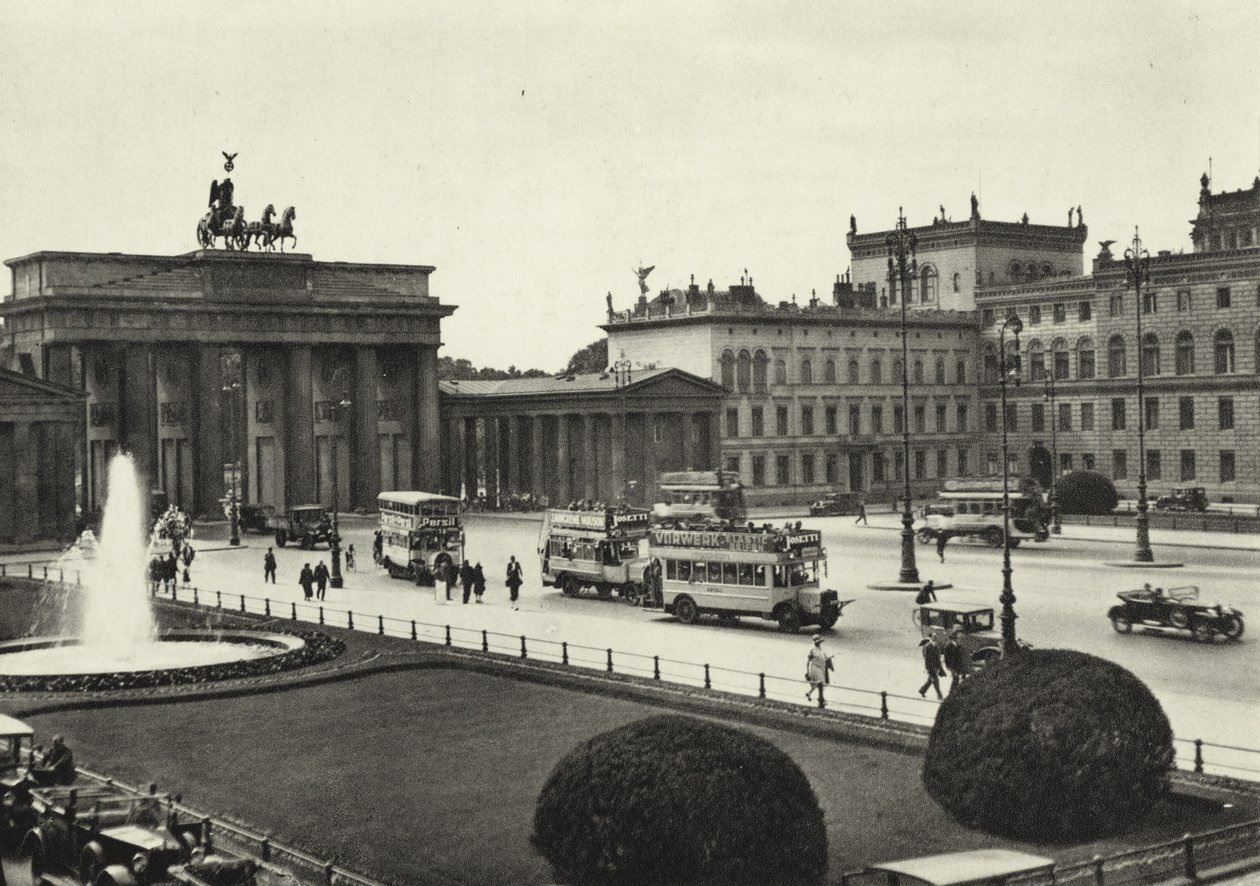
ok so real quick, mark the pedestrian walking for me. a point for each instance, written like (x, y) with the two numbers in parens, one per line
(451, 570)
(927, 594)
(861, 517)
(378, 546)
(466, 578)
(953, 656)
(321, 580)
(941, 539)
(817, 667)
(514, 579)
(306, 578)
(350, 559)
(479, 582)
(269, 566)
(931, 664)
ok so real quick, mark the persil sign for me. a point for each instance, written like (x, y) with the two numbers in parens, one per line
(446, 522)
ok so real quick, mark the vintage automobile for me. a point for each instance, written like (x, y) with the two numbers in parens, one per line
(305, 525)
(255, 518)
(981, 643)
(1175, 609)
(1191, 498)
(836, 504)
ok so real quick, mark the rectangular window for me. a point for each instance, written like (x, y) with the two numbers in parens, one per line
(986, 317)
(1227, 466)
(920, 418)
(1153, 470)
(1225, 413)
(833, 468)
(899, 419)
(1038, 417)
(1065, 417)
(941, 420)
(807, 420)
(1185, 413)
(807, 469)
(732, 423)
(877, 419)
(759, 470)
(781, 421)
(1085, 311)
(1087, 416)
(1034, 315)
(942, 463)
(1222, 297)
(899, 465)
(1012, 416)
(1183, 300)
(962, 463)
(879, 467)
(658, 432)
(1119, 465)
(731, 464)
(1065, 462)
(855, 420)
(1152, 414)
(1060, 312)
(782, 470)
(991, 464)
(830, 418)
(962, 417)
(758, 422)
(920, 465)
(1187, 464)
(1060, 365)
(1115, 305)
(1150, 302)
(1088, 462)
(990, 417)
(1118, 418)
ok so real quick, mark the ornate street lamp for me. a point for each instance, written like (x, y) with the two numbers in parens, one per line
(233, 391)
(1137, 263)
(1008, 369)
(1055, 526)
(340, 403)
(902, 266)
(621, 380)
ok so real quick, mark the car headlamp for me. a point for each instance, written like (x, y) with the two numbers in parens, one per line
(139, 863)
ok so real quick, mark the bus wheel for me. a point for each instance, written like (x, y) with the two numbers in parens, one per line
(925, 536)
(828, 622)
(789, 619)
(686, 610)
(630, 593)
(281, 538)
(994, 537)
(569, 585)
(604, 591)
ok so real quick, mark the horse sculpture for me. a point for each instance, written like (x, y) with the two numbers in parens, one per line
(232, 230)
(261, 232)
(238, 234)
(284, 230)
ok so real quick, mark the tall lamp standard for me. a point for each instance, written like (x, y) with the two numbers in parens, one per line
(1055, 526)
(233, 391)
(339, 404)
(621, 378)
(1137, 263)
(1008, 369)
(903, 266)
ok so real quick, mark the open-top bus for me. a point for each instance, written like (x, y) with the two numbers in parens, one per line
(597, 549)
(971, 507)
(696, 498)
(768, 573)
(421, 534)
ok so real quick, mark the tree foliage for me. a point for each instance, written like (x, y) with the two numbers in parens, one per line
(1050, 745)
(459, 369)
(1086, 492)
(592, 358)
(676, 800)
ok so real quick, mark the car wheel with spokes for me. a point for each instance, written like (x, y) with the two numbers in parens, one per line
(569, 585)
(1233, 628)
(1121, 624)
(630, 593)
(686, 610)
(1202, 632)
(789, 619)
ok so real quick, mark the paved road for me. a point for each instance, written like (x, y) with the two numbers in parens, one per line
(1062, 587)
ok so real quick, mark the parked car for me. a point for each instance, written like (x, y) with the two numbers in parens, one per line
(1191, 498)
(305, 525)
(836, 504)
(981, 643)
(1175, 609)
(256, 518)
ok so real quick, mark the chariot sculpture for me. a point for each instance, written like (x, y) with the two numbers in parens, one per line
(226, 220)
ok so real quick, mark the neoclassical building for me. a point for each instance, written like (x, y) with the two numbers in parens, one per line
(1199, 350)
(195, 362)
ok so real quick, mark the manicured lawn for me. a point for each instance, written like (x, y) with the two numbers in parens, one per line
(431, 776)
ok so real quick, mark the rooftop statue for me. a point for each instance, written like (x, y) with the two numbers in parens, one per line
(227, 220)
(642, 274)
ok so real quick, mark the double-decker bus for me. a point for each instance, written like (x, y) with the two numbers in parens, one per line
(597, 549)
(971, 507)
(770, 573)
(421, 533)
(696, 498)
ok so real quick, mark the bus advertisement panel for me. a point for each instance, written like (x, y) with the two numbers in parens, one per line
(422, 537)
(595, 549)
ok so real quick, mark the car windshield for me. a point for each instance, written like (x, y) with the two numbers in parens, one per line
(979, 621)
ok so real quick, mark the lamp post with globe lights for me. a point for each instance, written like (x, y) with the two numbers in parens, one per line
(1137, 263)
(1056, 527)
(1008, 369)
(233, 390)
(340, 403)
(902, 267)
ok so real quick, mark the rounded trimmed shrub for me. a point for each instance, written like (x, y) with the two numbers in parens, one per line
(1049, 744)
(1086, 492)
(676, 800)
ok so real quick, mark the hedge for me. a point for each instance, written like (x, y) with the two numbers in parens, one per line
(1086, 492)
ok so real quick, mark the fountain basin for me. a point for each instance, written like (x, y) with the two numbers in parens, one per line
(178, 657)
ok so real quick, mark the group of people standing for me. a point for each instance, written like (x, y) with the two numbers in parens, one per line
(166, 570)
(314, 582)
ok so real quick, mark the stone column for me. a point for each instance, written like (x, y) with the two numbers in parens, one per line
(688, 422)
(471, 471)
(365, 448)
(452, 455)
(427, 460)
(25, 484)
(590, 469)
(536, 477)
(514, 454)
(492, 461)
(617, 445)
(139, 418)
(714, 442)
(207, 431)
(651, 458)
(564, 468)
(299, 429)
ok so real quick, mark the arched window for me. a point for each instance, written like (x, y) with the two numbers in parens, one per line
(1085, 358)
(1062, 365)
(760, 361)
(1115, 357)
(829, 371)
(780, 372)
(1016, 271)
(1185, 353)
(918, 371)
(1036, 361)
(743, 368)
(955, 282)
(960, 371)
(897, 370)
(989, 365)
(928, 287)
(853, 372)
(1046, 270)
(940, 370)
(877, 371)
(728, 370)
(1223, 348)
(807, 372)
(1150, 354)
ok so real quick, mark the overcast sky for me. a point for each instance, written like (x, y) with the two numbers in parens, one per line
(536, 152)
